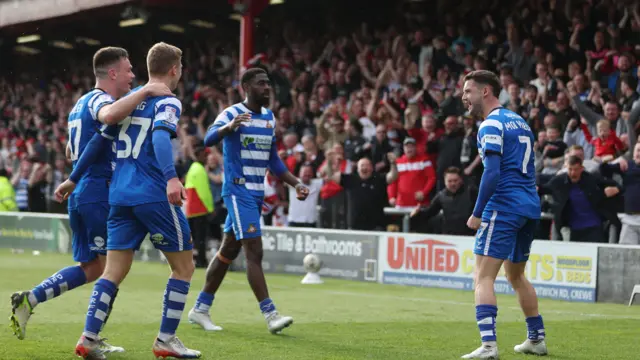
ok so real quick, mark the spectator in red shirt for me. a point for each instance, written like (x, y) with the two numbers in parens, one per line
(416, 179)
(607, 145)
(424, 134)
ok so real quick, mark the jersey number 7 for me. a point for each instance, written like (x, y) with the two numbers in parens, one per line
(123, 136)
(74, 138)
(527, 152)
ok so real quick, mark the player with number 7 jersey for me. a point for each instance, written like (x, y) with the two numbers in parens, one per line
(506, 133)
(505, 215)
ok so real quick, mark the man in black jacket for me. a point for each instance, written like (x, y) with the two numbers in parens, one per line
(456, 201)
(581, 202)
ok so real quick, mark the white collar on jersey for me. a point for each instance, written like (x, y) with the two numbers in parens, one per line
(245, 109)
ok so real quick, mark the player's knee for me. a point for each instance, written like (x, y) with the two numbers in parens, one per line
(230, 252)
(92, 269)
(515, 279)
(183, 270)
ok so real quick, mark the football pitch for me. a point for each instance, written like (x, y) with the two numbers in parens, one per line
(335, 320)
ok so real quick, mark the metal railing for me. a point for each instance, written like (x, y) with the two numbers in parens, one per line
(406, 219)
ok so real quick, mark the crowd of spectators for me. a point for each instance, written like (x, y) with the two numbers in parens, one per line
(372, 117)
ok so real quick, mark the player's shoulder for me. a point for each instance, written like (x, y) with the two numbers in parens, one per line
(504, 115)
(501, 118)
(93, 94)
(267, 112)
(158, 101)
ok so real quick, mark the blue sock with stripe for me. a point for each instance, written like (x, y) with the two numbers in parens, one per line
(57, 284)
(535, 328)
(204, 302)
(267, 306)
(175, 297)
(101, 298)
(486, 317)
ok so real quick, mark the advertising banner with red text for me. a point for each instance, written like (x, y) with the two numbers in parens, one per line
(558, 270)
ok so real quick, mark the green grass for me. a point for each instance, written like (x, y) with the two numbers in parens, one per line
(336, 320)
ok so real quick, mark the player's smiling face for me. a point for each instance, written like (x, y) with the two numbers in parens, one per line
(260, 89)
(472, 98)
(124, 76)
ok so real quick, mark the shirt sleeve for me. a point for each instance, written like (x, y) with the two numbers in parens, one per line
(213, 137)
(109, 132)
(167, 115)
(97, 102)
(276, 166)
(490, 137)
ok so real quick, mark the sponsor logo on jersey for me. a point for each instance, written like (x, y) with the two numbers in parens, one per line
(248, 141)
(260, 142)
(251, 229)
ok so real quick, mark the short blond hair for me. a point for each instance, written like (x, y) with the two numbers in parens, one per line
(604, 123)
(162, 57)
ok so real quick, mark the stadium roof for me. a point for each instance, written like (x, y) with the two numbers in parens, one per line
(16, 12)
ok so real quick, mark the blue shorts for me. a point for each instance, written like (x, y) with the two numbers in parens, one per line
(165, 223)
(89, 225)
(505, 236)
(243, 216)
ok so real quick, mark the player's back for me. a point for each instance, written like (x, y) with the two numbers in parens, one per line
(516, 190)
(138, 178)
(83, 124)
(247, 152)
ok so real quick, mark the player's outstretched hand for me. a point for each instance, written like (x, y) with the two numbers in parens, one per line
(176, 192)
(302, 191)
(157, 89)
(64, 190)
(473, 223)
(239, 120)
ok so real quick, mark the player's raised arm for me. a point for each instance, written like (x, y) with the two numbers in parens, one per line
(224, 124)
(111, 113)
(165, 125)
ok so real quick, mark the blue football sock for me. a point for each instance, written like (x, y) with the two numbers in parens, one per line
(486, 318)
(175, 297)
(267, 306)
(535, 328)
(203, 304)
(103, 293)
(66, 279)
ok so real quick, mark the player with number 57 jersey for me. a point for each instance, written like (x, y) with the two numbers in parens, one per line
(138, 178)
(506, 133)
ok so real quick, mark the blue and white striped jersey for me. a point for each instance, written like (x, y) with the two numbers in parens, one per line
(508, 135)
(82, 124)
(248, 151)
(138, 179)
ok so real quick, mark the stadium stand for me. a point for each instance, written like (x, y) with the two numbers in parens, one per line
(349, 81)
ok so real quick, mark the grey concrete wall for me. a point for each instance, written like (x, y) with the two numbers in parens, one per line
(618, 272)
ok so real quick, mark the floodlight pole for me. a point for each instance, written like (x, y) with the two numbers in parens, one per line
(246, 38)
